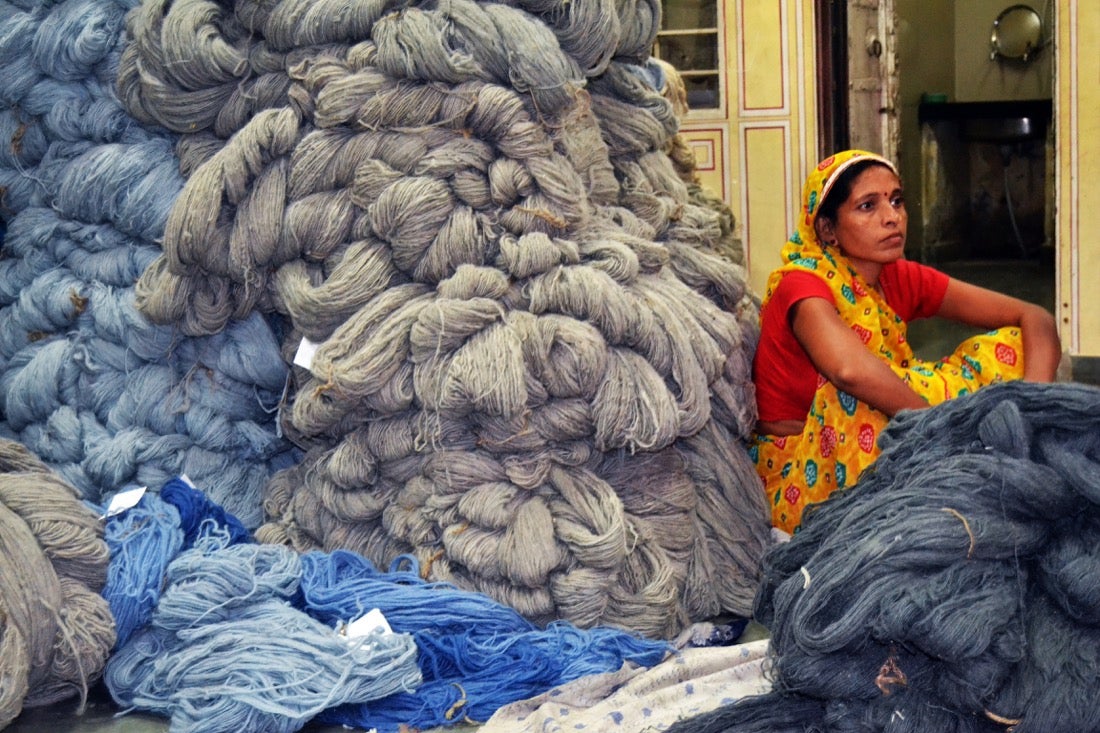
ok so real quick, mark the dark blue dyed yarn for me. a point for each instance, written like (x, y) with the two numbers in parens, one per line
(769, 713)
(199, 515)
(953, 588)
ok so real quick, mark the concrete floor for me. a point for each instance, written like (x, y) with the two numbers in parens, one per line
(99, 717)
(1030, 280)
(102, 716)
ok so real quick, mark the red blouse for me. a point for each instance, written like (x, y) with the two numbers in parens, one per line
(785, 377)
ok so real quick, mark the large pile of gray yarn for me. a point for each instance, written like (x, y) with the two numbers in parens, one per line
(517, 360)
(105, 397)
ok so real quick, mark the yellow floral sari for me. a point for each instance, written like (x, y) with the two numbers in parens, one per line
(840, 437)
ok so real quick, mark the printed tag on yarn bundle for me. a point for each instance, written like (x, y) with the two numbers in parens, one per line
(373, 622)
(123, 500)
(303, 357)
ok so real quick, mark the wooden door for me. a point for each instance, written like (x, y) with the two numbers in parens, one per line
(873, 77)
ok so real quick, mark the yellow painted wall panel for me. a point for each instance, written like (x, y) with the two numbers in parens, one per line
(1087, 144)
(709, 145)
(766, 150)
(764, 83)
(1078, 171)
(773, 135)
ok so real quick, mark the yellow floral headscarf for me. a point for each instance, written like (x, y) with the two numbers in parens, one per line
(820, 182)
(860, 305)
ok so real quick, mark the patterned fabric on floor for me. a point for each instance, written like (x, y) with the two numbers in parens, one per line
(692, 682)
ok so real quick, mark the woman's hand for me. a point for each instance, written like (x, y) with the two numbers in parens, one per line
(843, 359)
(983, 308)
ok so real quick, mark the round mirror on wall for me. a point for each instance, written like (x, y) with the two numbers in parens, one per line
(1017, 33)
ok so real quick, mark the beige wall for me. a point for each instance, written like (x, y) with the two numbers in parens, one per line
(762, 143)
(977, 78)
(926, 63)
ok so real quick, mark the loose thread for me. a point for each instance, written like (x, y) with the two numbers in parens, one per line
(890, 674)
(966, 525)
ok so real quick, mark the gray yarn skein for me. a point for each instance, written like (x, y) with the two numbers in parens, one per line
(532, 361)
(58, 630)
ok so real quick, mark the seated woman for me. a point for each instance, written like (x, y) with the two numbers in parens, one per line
(833, 364)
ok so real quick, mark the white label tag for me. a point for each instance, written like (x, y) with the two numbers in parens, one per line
(369, 623)
(306, 350)
(187, 480)
(123, 500)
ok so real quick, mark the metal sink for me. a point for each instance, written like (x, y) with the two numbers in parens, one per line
(1002, 129)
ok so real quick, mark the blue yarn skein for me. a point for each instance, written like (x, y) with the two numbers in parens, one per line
(198, 514)
(144, 539)
(342, 584)
(210, 662)
(476, 655)
(952, 588)
(106, 398)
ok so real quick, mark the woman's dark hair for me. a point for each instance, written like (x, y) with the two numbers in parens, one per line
(842, 188)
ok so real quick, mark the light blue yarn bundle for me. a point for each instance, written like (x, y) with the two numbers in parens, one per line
(226, 651)
(145, 538)
(475, 654)
(530, 374)
(142, 541)
(187, 611)
(953, 588)
(88, 383)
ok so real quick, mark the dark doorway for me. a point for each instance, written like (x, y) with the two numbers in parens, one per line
(832, 79)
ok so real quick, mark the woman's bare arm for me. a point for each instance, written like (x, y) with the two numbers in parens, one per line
(983, 308)
(843, 359)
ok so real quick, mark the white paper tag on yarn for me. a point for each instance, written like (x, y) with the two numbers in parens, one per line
(187, 480)
(369, 623)
(123, 500)
(303, 357)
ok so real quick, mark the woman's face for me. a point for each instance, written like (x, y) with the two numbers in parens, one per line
(870, 224)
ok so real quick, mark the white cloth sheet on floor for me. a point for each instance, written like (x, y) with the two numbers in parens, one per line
(690, 682)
